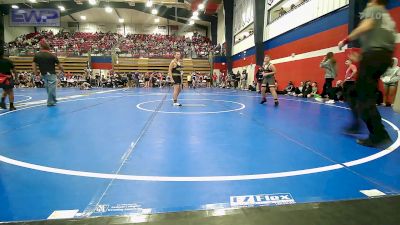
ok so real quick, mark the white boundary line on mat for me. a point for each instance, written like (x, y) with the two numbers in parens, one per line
(87, 174)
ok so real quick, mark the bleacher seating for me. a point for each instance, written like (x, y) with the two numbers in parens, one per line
(71, 64)
(143, 65)
(135, 45)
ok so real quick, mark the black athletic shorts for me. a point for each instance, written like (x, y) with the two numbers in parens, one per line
(177, 79)
(10, 85)
(268, 81)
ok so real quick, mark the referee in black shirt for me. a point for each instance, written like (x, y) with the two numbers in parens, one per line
(47, 65)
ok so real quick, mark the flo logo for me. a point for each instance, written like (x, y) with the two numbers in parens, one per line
(102, 208)
(265, 200)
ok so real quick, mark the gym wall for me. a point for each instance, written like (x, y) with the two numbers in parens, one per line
(297, 51)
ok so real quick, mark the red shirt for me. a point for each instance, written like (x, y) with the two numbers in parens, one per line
(349, 73)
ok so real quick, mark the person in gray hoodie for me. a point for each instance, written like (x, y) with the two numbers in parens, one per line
(329, 64)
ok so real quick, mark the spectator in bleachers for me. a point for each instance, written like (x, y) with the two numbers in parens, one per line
(290, 88)
(299, 90)
(307, 89)
(38, 82)
(314, 91)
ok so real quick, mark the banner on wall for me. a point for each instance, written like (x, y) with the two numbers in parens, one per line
(35, 17)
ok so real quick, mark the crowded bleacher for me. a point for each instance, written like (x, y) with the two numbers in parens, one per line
(136, 45)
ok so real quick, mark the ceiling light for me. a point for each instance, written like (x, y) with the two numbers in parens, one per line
(83, 17)
(201, 6)
(108, 9)
(157, 20)
(195, 13)
(191, 22)
(62, 8)
(32, 1)
(92, 2)
(15, 7)
(149, 3)
(121, 20)
(154, 11)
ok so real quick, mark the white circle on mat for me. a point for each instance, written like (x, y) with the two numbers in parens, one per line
(78, 173)
(240, 107)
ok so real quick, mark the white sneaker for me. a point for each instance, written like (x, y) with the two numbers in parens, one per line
(330, 102)
(319, 99)
(177, 104)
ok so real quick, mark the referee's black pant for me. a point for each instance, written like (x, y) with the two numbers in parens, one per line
(363, 103)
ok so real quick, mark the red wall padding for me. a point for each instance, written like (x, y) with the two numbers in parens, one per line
(315, 42)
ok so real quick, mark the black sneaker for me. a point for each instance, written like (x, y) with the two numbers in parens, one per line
(276, 103)
(3, 105)
(369, 142)
(12, 108)
(352, 130)
(263, 101)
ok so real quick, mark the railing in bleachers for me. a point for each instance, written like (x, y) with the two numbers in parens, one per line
(71, 53)
(122, 65)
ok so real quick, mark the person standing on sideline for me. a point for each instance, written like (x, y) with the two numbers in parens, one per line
(175, 73)
(377, 34)
(351, 75)
(189, 80)
(214, 79)
(243, 81)
(268, 71)
(390, 80)
(329, 64)
(194, 80)
(349, 83)
(8, 72)
(259, 78)
(47, 65)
